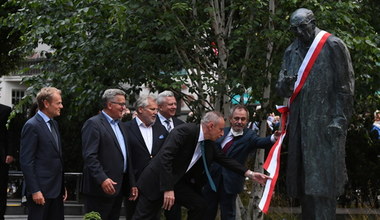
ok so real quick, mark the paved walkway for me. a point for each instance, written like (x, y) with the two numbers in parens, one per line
(25, 217)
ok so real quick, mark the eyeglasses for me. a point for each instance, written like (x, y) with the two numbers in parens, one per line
(122, 104)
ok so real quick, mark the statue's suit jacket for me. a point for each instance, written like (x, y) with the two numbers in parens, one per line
(41, 159)
(318, 119)
(103, 157)
(138, 148)
(171, 163)
(241, 148)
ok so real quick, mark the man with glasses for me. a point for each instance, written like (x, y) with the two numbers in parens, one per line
(145, 138)
(319, 112)
(107, 173)
(238, 142)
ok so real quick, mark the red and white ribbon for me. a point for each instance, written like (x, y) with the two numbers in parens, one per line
(272, 163)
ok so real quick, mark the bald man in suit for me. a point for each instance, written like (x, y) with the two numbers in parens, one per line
(177, 173)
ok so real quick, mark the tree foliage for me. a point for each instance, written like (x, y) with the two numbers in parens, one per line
(216, 48)
(9, 40)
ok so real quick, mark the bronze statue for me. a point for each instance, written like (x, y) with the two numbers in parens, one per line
(318, 118)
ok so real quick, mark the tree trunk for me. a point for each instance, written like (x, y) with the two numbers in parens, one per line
(257, 189)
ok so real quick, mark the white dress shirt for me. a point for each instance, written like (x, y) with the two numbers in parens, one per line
(147, 133)
(197, 152)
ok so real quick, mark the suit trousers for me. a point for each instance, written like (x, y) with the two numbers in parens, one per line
(3, 187)
(226, 201)
(130, 207)
(190, 196)
(52, 209)
(174, 213)
(186, 194)
(108, 208)
(147, 209)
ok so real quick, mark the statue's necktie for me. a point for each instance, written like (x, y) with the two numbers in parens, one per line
(210, 181)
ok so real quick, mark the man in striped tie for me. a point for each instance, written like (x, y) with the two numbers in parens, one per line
(238, 142)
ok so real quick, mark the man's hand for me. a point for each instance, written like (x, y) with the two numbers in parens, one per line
(38, 198)
(134, 194)
(277, 135)
(168, 200)
(258, 177)
(65, 195)
(108, 186)
(9, 159)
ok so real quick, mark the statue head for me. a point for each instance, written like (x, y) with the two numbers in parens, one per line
(302, 24)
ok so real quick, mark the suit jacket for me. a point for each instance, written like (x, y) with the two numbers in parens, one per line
(41, 159)
(102, 157)
(137, 147)
(240, 150)
(5, 149)
(176, 122)
(171, 163)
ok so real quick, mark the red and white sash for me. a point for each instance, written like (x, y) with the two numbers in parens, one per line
(272, 163)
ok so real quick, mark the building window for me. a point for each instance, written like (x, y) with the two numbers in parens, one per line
(17, 96)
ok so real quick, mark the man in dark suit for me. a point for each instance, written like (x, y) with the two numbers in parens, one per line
(167, 109)
(238, 142)
(41, 158)
(145, 138)
(176, 174)
(107, 173)
(6, 157)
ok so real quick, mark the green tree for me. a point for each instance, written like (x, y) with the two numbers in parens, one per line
(216, 48)
(9, 40)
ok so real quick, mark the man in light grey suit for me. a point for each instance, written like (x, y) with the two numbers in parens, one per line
(41, 158)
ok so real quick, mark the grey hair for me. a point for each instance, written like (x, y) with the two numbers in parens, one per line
(239, 106)
(143, 100)
(110, 94)
(162, 95)
(212, 116)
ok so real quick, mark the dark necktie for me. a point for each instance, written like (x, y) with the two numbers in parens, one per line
(168, 125)
(54, 132)
(228, 145)
(210, 181)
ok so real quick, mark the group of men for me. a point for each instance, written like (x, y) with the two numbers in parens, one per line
(153, 161)
(156, 161)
